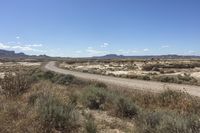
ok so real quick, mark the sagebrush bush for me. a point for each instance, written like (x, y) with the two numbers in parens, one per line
(48, 75)
(94, 98)
(64, 79)
(124, 107)
(57, 115)
(14, 84)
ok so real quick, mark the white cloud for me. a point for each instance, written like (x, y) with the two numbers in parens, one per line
(104, 45)
(20, 47)
(146, 50)
(23, 48)
(122, 51)
(3, 46)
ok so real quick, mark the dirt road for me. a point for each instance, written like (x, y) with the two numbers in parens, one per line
(128, 83)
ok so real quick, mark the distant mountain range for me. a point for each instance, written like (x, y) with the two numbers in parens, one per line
(6, 53)
(12, 54)
(173, 56)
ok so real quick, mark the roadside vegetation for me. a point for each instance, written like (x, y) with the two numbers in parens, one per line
(38, 101)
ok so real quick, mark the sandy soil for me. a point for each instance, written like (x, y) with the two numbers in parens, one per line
(2, 75)
(29, 63)
(196, 74)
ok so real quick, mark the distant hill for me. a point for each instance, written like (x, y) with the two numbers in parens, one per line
(6, 53)
(115, 56)
(13, 54)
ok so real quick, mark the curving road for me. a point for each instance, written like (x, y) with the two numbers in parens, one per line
(127, 83)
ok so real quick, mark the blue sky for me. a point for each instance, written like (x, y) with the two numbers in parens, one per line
(97, 27)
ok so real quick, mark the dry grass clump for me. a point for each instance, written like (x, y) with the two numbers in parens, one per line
(168, 99)
(15, 84)
(124, 107)
(90, 125)
(166, 121)
(94, 97)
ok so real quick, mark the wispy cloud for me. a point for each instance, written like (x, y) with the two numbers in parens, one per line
(3, 46)
(104, 45)
(20, 47)
(35, 45)
(122, 51)
(146, 50)
(92, 51)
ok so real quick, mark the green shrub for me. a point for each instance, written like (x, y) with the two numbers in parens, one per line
(124, 107)
(168, 79)
(90, 126)
(64, 79)
(48, 75)
(56, 115)
(146, 77)
(94, 98)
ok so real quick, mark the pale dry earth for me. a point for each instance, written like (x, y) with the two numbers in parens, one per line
(128, 83)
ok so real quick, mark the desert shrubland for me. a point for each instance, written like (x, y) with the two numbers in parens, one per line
(38, 101)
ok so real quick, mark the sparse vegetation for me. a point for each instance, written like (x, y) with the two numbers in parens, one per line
(170, 71)
(51, 102)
